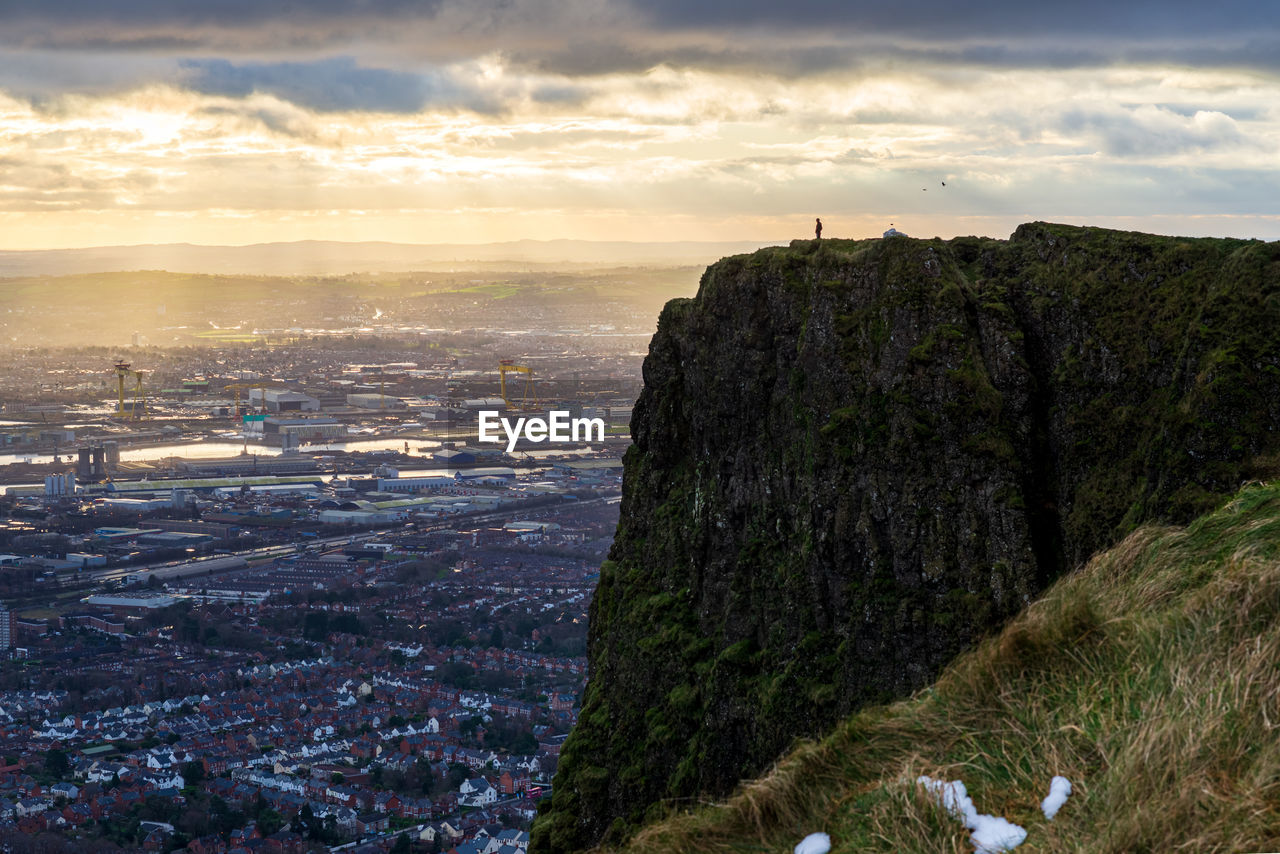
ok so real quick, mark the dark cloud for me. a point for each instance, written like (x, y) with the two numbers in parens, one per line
(393, 55)
(334, 85)
(791, 59)
(561, 94)
(949, 20)
(198, 14)
(931, 20)
(39, 75)
(590, 36)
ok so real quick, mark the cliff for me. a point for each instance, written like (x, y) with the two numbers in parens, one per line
(852, 459)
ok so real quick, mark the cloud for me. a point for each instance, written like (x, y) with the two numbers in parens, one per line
(593, 37)
(39, 75)
(1150, 131)
(330, 85)
(724, 112)
(948, 21)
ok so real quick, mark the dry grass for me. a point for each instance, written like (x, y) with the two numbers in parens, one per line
(1150, 678)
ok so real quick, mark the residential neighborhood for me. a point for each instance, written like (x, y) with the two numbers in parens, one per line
(413, 694)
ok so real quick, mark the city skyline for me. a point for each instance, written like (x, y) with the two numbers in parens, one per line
(131, 123)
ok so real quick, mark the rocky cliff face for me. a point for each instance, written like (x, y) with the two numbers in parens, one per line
(852, 458)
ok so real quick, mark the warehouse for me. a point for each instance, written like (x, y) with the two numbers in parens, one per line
(305, 429)
(282, 400)
(375, 401)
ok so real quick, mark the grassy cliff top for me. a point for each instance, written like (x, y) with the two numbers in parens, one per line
(1150, 679)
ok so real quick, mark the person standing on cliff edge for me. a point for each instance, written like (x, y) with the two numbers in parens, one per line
(817, 228)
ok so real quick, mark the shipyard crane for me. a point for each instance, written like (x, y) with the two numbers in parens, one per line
(238, 387)
(123, 372)
(530, 398)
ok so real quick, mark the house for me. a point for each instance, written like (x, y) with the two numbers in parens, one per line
(285, 842)
(514, 838)
(212, 844)
(161, 780)
(510, 784)
(31, 806)
(77, 814)
(372, 822)
(155, 840)
(387, 802)
(477, 792)
(64, 790)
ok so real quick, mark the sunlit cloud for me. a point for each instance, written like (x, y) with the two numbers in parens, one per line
(242, 122)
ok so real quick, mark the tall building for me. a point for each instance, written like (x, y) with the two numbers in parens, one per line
(7, 620)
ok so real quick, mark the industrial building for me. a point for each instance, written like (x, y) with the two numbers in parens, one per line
(314, 429)
(128, 606)
(375, 401)
(131, 505)
(454, 457)
(174, 539)
(492, 474)
(283, 400)
(92, 464)
(360, 517)
(60, 485)
(444, 480)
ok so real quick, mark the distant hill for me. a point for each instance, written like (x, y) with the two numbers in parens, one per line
(328, 257)
(163, 308)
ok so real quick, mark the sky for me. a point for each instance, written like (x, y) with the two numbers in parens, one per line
(442, 121)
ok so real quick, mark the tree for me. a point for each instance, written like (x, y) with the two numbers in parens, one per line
(458, 775)
(56, 763)
(402, 845)
(270, 821)
(307, 824)
(193, 772)
(315, 626)
(523, 744)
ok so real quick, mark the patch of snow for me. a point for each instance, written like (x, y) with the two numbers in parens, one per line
(1059, 789)
(952, 795)
(814, 843)
(989, 834)
(993, 834)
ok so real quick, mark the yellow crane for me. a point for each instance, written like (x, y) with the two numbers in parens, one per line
(238, 387)
(123, 372)
(530, 398)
